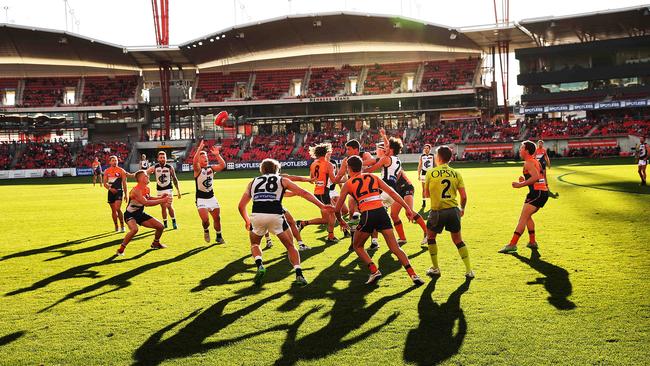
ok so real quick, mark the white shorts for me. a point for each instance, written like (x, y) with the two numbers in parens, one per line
(209, 203)
(334, 193)
(388, 200)
(261, 223)
(643, 162)
(170, 193)
(423, 177)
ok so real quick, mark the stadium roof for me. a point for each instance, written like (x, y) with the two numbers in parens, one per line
(598, 25)
(308, 37)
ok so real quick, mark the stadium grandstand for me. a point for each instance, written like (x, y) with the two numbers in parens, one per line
(67, 98)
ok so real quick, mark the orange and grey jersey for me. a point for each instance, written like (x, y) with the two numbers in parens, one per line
(319, 169)
(135, 206)
(540, 185)
(267, 192)
(163, 176)
(115, 175)
(203, 183)
(364, 188)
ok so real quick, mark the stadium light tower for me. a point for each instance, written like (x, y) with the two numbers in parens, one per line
(503, 49)
(160, 10)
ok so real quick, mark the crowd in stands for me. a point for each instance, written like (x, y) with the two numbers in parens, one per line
(627, 127)
(216, 87)
(99, 90)
(102, 150)
(487, 155)
(274, 84)
(337, 139)
(47, 92)
(329, 81)
(445, 75)
(440, 134)
(556, 128)
(386, 78)
(278, 147)
(38, 155)
(7, 151)
(594, 152)
(487, 132)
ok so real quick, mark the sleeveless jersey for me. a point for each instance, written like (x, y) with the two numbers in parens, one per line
(163, 176)
(267, 192)
(643, 151)
(391, 172)
(540, 185)
(115, 174)
(336, 166)
(364, 188)
(203, 183)
(427, 163)
(144, 164)
(135, 206)
(319, 170)
(539, 153)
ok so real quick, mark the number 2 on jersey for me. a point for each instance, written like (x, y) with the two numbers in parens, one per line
(447, 184)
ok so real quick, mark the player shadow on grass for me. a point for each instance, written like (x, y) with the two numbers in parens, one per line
(191, 338)
(556, 280)
(277, 269)
(348, 313)
(81, 271)
(122, 280)
(12, 337)
(56, 247)
(434, 341)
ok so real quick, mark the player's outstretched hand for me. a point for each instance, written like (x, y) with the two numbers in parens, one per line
(247, 225)
(516, 185)
(214, 150)
(168, 199)
(179, 195)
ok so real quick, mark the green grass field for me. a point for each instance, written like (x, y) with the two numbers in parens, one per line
(66, 300)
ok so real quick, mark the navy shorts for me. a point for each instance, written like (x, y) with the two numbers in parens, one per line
(138, 216)
(374, 220)
(112, 197)
(537, 198)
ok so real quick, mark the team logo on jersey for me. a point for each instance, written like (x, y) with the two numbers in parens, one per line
(207, 183)
(427, 163)
(162, 178)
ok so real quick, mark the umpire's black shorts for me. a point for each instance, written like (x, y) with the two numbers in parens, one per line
(374, 220)
(447, 219)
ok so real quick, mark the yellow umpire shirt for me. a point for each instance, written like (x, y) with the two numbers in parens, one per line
(443, 182)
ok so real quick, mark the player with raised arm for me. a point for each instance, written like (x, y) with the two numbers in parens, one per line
(641, 155)
(165, 177)
(366, 190)
(393, 175)
(322, 173)
(97, 170)
(442, 185)
(267, 191)
(206, 202)
(115, 183)
(425, 163)
(135, 215)
(536, 198)
(353, 148)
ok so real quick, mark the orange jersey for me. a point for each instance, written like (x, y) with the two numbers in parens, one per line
(319, 169)
(115, 175)
(364, 188)
(95, 164)
(135, 205)
(540, 185)
(539, 153)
